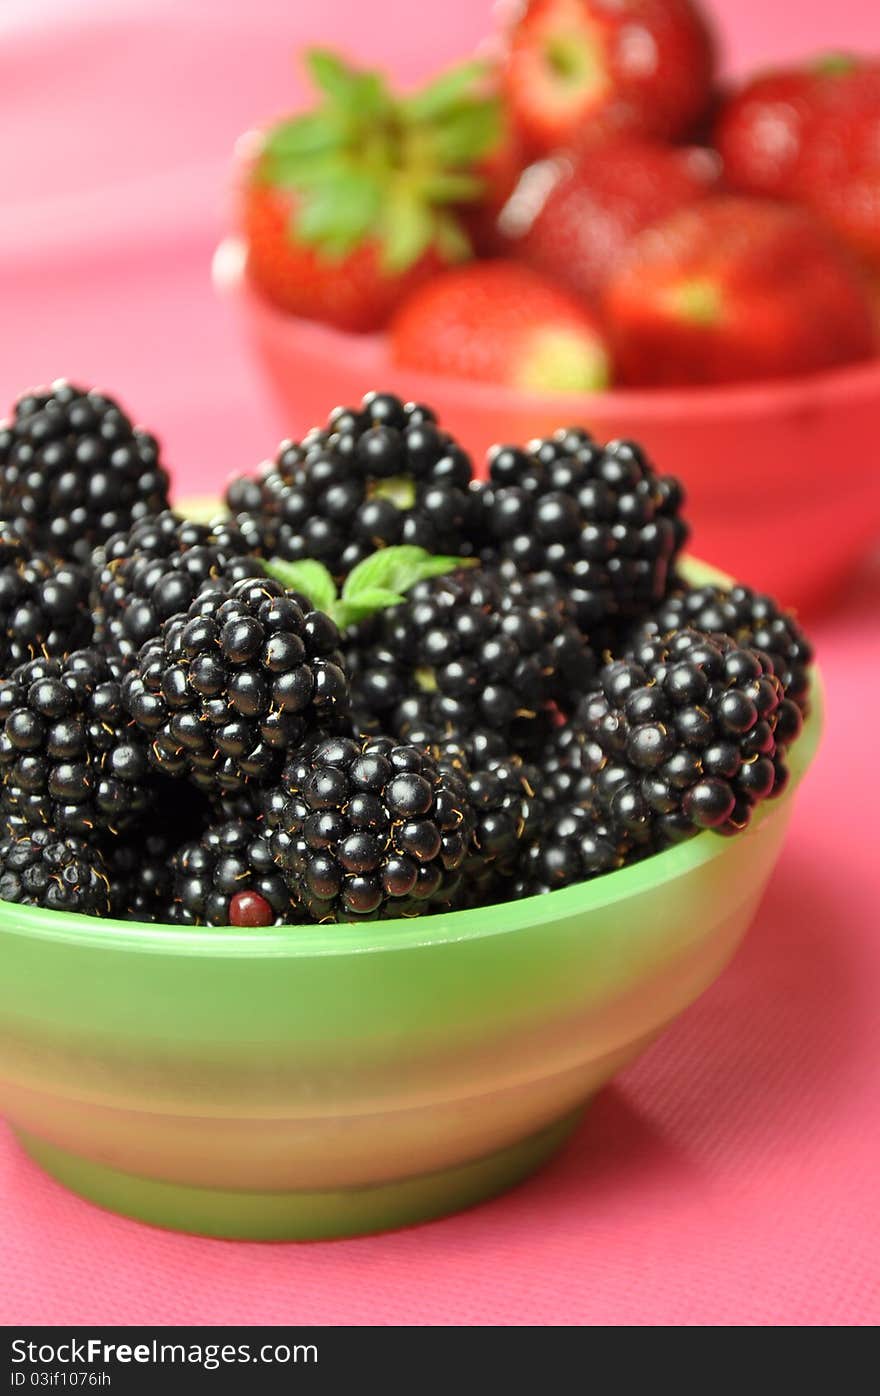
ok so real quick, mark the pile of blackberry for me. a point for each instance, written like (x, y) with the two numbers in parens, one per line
(186, 740)
(374, 476)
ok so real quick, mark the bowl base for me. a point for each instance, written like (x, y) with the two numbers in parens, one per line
(300, 1216)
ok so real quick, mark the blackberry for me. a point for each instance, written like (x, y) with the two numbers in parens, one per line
(156, 569)
(467, 651)
(367, 828)
(141, 876)
(693, 731)
(41, 867)
(750, 619)
(226, 876)
(44, 604)
(506, 796)
(73, 470)
(575, 845)
(242, 677)
(597, 517)
(70, 757)
(375, 476)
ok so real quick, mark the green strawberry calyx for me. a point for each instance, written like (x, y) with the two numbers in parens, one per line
(368, 165)
(377, 583)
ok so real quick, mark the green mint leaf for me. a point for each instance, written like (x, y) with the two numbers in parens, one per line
(445, 91)
(397, 569)
(311, 579)
(354, 609)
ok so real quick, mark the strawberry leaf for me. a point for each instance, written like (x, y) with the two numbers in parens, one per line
(445, 91)
(409, 229)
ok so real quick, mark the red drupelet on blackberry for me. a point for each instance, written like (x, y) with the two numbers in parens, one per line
(44, 604)
(70, 757)
(73, 470)
(156, 570)
(469, 651)
(750, 619)
(370, 829)
(40, 867)
(246, 675)
(227, 877)
(375, 476)
(599, 518)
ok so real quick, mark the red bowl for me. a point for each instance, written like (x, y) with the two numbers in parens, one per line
(782, 477)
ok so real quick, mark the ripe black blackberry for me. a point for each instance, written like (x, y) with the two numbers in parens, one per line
(41, 867)
(693, 730)
(73, 470)
(141, 876)
(70, 757)
(226, 875)
(44, 604)
(156, 569)
(506, 796)
(468, 651)
(244, 676)
(575, 845)
(597, 517)
(369, 829)
(749, 618)
(375, 476)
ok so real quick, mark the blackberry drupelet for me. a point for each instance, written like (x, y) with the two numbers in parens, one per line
(156, 569)
(597, 517)
(44, 604)
(693, 730)
(73, 470)
(41, 867)
(370, 829)
(226, 875)
(70, 757)
(469, 651)
(230, 686)
(375, 476)
(750, 619)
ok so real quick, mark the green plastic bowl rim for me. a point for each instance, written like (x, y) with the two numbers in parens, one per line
(404, 933)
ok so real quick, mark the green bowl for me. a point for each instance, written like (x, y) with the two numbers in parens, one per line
(325, 1081)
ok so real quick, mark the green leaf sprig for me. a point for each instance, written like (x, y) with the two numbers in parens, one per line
(380, 581)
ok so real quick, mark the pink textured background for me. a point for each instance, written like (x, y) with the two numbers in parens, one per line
(730, 1177)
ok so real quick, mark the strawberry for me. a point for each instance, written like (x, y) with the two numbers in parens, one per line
(500, 322)
(764, 129)
(350, 205)
(839, 174)
(581, 69)
(733, 289)
(575, 219)
(499, 171)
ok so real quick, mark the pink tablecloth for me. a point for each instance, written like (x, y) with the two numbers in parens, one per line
(730, 1177)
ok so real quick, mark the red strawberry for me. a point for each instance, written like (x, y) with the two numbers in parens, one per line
(576, 222)
(581, 69)
(839, 175)
(500, 322)
(350, 205)
(734, 289)
(499, 171)
(760, 131)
